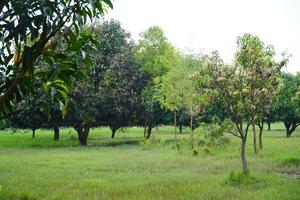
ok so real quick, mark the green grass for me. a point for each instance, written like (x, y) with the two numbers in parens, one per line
(129, 168)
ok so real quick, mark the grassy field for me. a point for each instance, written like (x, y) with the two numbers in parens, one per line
(129, 168)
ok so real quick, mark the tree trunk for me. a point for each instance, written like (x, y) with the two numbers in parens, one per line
(33, 133)
(290, 128)
(269, 125)
(83, 133)
(56, 133)
(243, 157)
(180, 128)
(175, 125)
(261, 129)
(287, 126)
(192, 131)
(149, 131)
(254, 138)
(145, 125)
(113, 132)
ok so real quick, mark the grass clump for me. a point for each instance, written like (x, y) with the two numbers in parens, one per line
(238, 178)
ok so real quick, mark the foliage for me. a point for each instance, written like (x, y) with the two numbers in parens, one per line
(176, 89)
(113, 41)
(29, 35)
(31, 118)
(155, 52)
(215, 133)
(156, 56)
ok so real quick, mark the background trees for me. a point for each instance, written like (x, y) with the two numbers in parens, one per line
(32, 118)
(286, 104)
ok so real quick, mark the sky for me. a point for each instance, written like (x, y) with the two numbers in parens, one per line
(202, 26)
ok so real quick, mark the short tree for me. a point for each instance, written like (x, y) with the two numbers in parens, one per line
(251, 83)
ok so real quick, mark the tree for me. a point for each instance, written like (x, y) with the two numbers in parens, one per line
(82, 110)
(156, 56)
(119, 92)
(176, 88)
(30, 29)
(168, 92)
(116, 76)
(32, 118)
(251, 83)
(193, 98)
(286, 104)
(108, 96)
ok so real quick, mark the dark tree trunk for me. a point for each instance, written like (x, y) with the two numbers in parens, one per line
(33, 133)
(290, 128)
(56, 133)
(243, 157)
(254, 138)
(287, 126)
(83, 133)
(261, 129)
(180, 128)
(149, 131)
(269, 125)
(113, 132)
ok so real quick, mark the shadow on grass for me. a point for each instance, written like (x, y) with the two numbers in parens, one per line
(116, 143)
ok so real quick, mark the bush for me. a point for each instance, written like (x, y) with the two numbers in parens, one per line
(214, 134)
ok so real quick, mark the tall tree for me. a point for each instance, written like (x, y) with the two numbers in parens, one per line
(115, 75)
(119, 91)
(156, 56)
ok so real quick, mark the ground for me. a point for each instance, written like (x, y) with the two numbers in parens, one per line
(129, 168)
